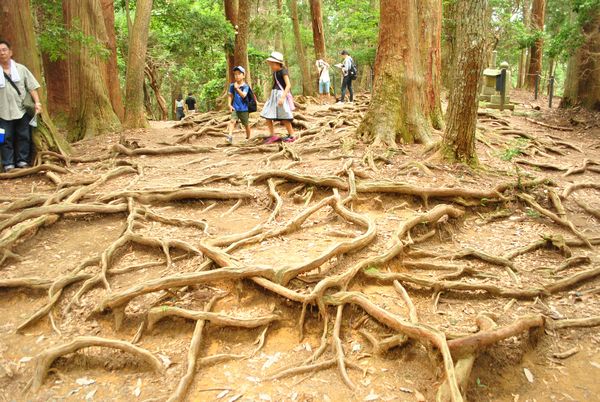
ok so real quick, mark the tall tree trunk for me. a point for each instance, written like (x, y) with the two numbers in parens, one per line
(241, 39)
(458, 143)
(111, 68)
(17, 27)
(134, 82)
(397, 107)
(523, 59)
(538, 13)
(76, 86)
(317, 28)
(430, 43)
(279, 29)
(155, 83)
(306, 87)
(231, 14)
(582, 85)
(449, 43)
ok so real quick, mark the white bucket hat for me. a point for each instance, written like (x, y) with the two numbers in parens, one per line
(276, 57)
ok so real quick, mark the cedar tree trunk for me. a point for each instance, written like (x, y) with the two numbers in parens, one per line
(134, 83)
(458, 144)
(582, 86)
(538, 13)
(17, 28)
(397, 108)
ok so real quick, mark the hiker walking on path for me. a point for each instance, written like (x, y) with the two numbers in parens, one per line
(347, 65)
(16, 83)
(280, 104)
(324, 80)
(190, 103)
(238, 104)
(179, 105)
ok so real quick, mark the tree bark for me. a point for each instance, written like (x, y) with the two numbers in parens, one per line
(279, 29)
(17, 27)
(317, 29)
(111, 68)
(155, 84)
(77, 87)
(397, 107)
(538, 13)
(430, 43)
(582, 85)
(241, 39)
(458, 143)
(523, 59)
(134, 82)
(449, 43)
(231, 13)
(306, 87)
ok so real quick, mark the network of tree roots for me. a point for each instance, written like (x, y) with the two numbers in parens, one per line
(285, 271)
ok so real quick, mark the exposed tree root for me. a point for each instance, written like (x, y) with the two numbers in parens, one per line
(119, 149)
(33, 170)
(221, 320)
(563, 222)
(44, 360)
(319, 281)
(27, 283)
(575, 323)
(193, 352)
(539, 123)
(578, 186)
(419, 332)
(592, 211)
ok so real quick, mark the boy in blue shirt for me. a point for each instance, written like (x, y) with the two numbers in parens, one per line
(237, 102)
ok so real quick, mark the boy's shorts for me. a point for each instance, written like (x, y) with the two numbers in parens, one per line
(324, 87)
(241, 116)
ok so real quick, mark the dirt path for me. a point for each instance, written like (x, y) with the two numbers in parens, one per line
(302, 276)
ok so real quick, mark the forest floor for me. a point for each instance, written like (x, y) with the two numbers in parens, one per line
(155, 253)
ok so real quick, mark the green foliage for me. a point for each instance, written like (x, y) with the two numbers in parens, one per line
(532, 213)
(55, 38)
(353, 25)
(516, 148)
(209, 94)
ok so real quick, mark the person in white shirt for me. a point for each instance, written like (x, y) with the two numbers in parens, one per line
(324, 80)
(15, 82)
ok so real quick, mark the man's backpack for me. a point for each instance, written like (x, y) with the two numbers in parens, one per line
(251, 101)
(353, 72)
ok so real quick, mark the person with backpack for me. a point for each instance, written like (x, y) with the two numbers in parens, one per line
(280, 105)
(16, 84)
(349, 74)
(238, 100)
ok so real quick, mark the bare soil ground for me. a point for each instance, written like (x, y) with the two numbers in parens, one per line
(370, 274)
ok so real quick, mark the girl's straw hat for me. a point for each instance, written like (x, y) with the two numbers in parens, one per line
(276, 57)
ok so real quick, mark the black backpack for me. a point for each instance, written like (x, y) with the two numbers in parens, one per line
(251, 101)
(353, 73)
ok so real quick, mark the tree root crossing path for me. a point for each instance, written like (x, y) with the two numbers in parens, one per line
(165, 264)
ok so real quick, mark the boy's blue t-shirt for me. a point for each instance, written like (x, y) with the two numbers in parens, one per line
(239, 104)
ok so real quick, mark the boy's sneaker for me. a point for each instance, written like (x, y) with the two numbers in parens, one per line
(230, 139)
(23, 165)
(8, 168)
